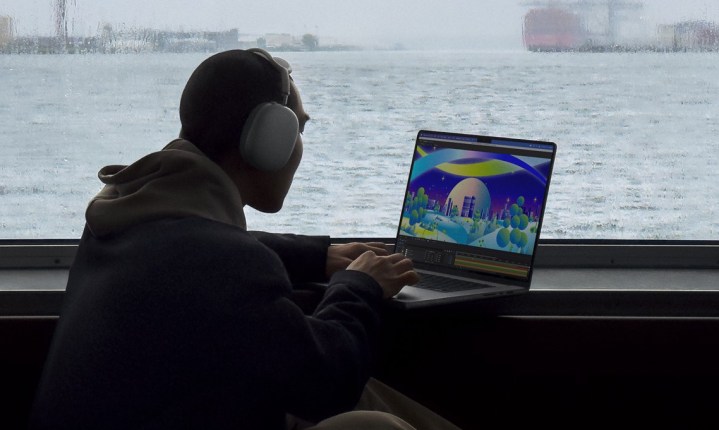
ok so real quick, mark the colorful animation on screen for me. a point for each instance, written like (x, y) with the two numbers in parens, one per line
(484, 199)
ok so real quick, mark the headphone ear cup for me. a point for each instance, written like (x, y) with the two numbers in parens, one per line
(269, 136)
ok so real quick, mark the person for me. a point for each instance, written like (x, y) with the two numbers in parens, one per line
(176, 316)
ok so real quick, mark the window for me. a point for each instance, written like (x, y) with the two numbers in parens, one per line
(627, 90)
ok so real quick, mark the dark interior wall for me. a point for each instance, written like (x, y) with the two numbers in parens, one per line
(490, 371)
(557, 372)
(24, 343)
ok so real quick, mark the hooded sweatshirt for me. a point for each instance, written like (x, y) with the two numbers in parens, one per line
(175, 316)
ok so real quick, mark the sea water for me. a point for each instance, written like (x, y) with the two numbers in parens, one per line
(637, 157)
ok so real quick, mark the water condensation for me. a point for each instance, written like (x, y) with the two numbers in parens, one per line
(637, 152)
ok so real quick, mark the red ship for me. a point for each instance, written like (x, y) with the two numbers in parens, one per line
(552, 29)
(583, 25)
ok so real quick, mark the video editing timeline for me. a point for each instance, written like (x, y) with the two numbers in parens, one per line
(444, 257)
(452, 258)
(485, 264)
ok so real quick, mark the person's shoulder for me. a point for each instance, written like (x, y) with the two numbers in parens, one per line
(204, 233)
(207, 229)
(186, 234)
(193, 241)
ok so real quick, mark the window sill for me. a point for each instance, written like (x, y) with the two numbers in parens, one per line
(560, 292)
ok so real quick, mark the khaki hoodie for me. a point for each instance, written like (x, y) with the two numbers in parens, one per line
(178, 181)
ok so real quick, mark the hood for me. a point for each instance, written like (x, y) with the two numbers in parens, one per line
(178, 181)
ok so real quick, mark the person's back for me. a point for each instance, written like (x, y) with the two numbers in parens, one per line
(148, 339)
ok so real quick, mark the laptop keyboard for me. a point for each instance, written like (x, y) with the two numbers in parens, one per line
(440, 283)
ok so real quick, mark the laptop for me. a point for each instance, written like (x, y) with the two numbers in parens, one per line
(471, 217)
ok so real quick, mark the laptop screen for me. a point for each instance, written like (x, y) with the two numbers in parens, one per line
(475, 203)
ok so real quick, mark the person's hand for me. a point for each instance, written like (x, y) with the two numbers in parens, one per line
(340, 256)
(392, 272)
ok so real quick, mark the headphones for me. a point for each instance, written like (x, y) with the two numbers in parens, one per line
(269, 135)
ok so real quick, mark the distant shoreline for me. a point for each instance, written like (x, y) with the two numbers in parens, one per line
(54, 46)
(111, 41)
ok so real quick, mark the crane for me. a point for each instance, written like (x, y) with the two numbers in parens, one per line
(60, 17)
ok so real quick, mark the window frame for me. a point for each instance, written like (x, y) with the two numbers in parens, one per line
(554, 253)
(36, 261)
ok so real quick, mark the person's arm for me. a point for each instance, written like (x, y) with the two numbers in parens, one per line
(312, 258)
(318, 364)
(304, 257)
(345, 329)
(332, 352)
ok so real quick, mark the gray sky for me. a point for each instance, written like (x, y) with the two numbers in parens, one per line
(367, 22)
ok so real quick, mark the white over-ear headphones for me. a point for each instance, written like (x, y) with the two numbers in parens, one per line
(269, 135)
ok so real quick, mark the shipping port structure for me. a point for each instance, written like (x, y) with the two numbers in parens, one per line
(608, 26)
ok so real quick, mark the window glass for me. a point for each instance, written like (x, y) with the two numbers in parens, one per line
(627, 90)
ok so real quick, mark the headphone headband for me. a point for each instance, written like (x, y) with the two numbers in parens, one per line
(282, 66)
